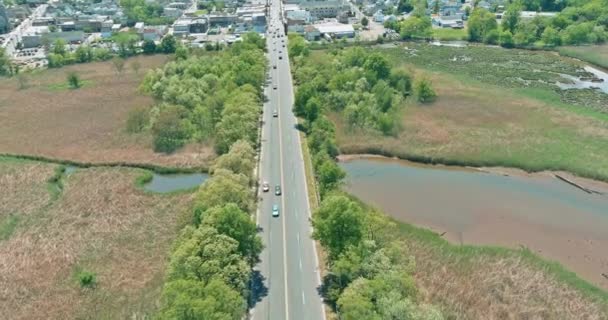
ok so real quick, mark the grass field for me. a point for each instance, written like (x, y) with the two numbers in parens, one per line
(448, 34)
(477, 121)
(597, 55)
(474, 282)
(100, 222)
(88, 124)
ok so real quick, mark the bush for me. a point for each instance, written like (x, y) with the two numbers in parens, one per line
(87, 279)
(74, 80)
(169, 131)
(424, 91)
(139, 118)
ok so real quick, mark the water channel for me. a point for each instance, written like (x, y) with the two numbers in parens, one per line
(551, 217)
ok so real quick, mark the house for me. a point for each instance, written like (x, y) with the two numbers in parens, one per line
(529, 15)
(106, 28)
(154, 33)
(5, 25)
(448, 22)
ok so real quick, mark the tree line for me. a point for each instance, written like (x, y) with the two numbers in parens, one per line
(370, 271)
(126, 46)
(211, 263)
(206, 98)
(580, 22)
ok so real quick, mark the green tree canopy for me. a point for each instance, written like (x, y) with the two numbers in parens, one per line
(338, 224)
(191, 300)
(204, 254)
(480, 23)
(230, 220)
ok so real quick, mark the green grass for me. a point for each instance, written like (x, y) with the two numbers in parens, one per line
(55, 183)
(62, 86)
(201, 12)
(597, 55)
(448, 34)
(7, 226)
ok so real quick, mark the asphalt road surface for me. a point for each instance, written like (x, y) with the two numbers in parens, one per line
(288, 273)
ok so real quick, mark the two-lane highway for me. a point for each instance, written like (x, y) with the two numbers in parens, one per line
(289, 263)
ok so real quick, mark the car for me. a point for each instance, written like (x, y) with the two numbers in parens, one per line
(275, 210)
(275, 114)
(283, 46)
(274, 67)
(277, 190)
(274, 86)
(265, 186)
(280, 57)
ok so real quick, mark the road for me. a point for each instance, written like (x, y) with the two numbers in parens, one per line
(289, 267)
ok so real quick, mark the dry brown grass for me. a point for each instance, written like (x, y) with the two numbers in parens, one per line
(100, 223)
(497, 287)
(88, 124)
(470, 120)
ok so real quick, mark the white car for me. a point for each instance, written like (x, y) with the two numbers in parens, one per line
(275, 210)
(265, 186)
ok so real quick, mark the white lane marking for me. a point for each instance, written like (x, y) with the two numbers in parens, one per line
(303, 298)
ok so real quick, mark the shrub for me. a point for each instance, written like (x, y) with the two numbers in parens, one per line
(74, 80)
(87, 279)
(138, 119)
(424, 91)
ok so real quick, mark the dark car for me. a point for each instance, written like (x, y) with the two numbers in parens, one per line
(277, 190)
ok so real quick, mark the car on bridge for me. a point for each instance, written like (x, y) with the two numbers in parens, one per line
(277, 190)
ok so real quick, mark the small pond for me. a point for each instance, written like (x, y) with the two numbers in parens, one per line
(164, 183)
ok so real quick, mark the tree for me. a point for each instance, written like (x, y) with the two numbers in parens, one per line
(204, 254)
(191, 299)
(511, 17)
(436, 7)
(329, 174)
(364, 21)
(424, 91)
(230, 220)
(168, 44)
(83, 54)
(480, 23)
(74, 80)
(338, 224)
(377, 64)
(239, 122)
(491, 37)
(401, 81)
(405, 6)
(59, 47)
(551, 37)
(224, 187)
(181, 53)
(240, 159)
(6, 67)
(149, 47)
(119, 64)
(170, 131)
(415, 27)
(506, 39)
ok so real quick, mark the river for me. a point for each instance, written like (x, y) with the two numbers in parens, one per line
(550, 217)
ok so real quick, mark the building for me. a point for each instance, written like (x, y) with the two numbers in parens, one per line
(311, 33)
(154, 33)
(320, 9)
(528, 15)
(106, 28)
(336, 30)
(181, 27)
(448, 22)
(379, 16)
